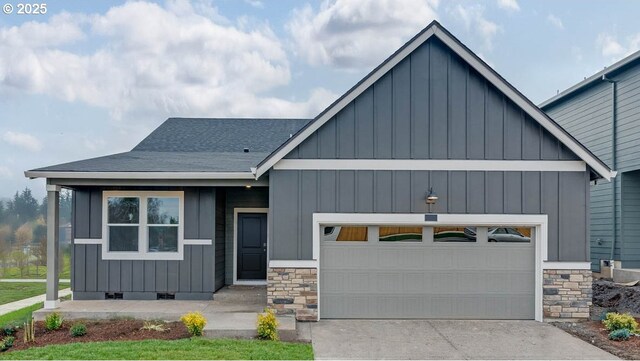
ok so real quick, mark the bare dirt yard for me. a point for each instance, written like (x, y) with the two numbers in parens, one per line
(608, 297)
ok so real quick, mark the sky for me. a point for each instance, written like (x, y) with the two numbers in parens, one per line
(91, 78)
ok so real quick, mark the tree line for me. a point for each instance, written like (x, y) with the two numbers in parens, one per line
(23, 231)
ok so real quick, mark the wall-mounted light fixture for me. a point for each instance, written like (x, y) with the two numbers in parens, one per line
(431, 197)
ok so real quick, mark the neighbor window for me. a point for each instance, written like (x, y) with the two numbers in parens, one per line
(143, 225)
(400, 234)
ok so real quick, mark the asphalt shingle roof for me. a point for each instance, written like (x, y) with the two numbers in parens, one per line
(195, 145)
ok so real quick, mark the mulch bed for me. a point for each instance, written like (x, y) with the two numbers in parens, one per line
(107, 330)
(595, 333)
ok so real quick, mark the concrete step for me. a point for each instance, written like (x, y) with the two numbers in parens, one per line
(242, 295)
(243, 325)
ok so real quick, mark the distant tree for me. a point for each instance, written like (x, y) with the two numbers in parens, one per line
(5, 250)
(24, 236)
(3, 212)
(23, 207)
(40, 243)
(64, 209)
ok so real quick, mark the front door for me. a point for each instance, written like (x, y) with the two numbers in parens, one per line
(252, 246)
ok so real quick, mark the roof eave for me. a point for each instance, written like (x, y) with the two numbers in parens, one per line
(137, 175)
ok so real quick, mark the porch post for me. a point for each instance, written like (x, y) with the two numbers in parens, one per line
(53, 206)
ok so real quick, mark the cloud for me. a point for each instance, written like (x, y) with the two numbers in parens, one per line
(473, 18)
(5, 172)
(352, 34)
(511, 5)
(22, 140)
(611, 47)
(555, 21)
(147, 62)
(255, 3)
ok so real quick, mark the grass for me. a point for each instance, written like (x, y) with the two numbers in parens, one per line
(36, 272)
(187, 349)
(10, 291)
(21, 315)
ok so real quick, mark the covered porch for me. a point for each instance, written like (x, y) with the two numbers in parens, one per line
(233, 313)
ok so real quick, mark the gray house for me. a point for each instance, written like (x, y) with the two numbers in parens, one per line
(431, 189)
(602, 112)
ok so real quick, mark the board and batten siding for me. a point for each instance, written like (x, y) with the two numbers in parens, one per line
(588, 115)
(192, 277)
(430, 106)
(298, 194)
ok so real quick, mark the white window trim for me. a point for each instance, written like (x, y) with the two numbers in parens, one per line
(236, 281)
(142, 253)
(433, 164)
(539, 223)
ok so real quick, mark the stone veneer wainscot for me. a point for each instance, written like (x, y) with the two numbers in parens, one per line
(567, 293)
(293, 291)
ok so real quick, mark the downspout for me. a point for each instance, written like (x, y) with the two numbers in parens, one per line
(614, 141)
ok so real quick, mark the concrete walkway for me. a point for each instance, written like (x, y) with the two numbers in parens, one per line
(14, 306)
(27, 280)
(440, 339)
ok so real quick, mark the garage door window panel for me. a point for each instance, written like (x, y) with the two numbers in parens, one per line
(509, 234)
(400, 234)
(454, 234)
(345, 234)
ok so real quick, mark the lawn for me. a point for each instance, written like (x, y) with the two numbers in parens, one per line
(14, 291)
(186, 349)
(36, 272)
(19, 316)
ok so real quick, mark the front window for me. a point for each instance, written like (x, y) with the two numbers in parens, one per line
(143, 225)
(163, 219)
(123, 223)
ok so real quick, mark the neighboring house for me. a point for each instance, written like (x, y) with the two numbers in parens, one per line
(603, 113)
(332, 214)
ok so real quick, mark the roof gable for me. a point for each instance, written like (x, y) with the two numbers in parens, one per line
(435, 30)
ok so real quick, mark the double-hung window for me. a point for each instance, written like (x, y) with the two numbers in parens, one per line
(143, 225)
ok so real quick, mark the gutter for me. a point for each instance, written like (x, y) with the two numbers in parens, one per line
(614, 146)
(138, 175)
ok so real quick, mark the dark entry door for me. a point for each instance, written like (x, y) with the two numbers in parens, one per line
(252, 246)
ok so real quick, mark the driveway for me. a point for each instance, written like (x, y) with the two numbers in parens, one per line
(440, 339)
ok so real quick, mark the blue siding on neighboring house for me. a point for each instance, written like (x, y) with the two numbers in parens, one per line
(587, 115)
(430, 106)
(192, 277)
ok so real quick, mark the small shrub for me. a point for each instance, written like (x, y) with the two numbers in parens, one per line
(53, 321)
(154, 326)
(9, 329)
(3, 346)
(615, 321)
(8, 341)
(621, 334)
(195, 322)
(78, 330)
(267, 325)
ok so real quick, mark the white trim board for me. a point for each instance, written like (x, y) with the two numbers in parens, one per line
(539, 223)
(435, 29)
(293, 264)
(432, 164)
(236, 281)
(186, 242)
(566, 265)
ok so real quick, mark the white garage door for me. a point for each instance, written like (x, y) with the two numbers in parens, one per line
(427, 272)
